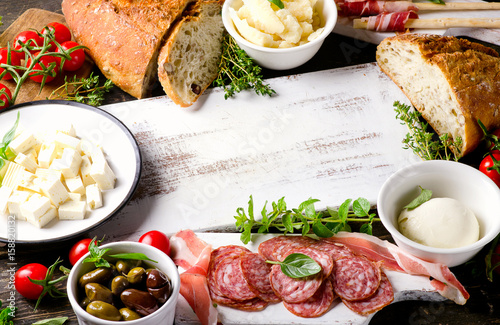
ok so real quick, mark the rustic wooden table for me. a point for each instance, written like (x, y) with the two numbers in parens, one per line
(338, 51)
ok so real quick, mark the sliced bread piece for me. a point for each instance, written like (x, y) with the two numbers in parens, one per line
(188, 62)
(451, 82)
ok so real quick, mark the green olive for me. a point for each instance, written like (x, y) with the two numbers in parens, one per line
(136, 275)
(118, 284)
(85, 301)
(124, 266)
(99, 275)
(96, 291)
(128, 314)
(103, 310)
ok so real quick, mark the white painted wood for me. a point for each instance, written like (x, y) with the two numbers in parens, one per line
(329, 135)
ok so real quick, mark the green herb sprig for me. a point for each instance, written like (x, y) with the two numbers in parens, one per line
(7, 315)
(83, 90)
(304, 218)
(297, 265)
(424, 196)
(238, 72)
(423, 142)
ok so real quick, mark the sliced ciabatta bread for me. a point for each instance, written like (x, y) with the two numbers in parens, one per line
(188, 62)
(452, 82)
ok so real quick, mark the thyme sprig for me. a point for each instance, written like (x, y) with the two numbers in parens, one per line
(305, 218)
(83, 90)
(423, 142)
(238, 72)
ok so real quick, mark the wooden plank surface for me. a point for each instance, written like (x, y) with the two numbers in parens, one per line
(37, 19)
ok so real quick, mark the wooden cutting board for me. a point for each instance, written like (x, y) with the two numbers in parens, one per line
(37, 19)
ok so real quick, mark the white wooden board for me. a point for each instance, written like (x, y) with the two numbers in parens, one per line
(406, 287)
(344, 25)
(330, 135)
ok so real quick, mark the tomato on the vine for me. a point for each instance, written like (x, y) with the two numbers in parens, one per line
(78, 250)
(6, 96)
(15, 59)
(24, 286)
(46, 60)
(61, 33)
(156, 239)
(77, 56)
(30, 38)
(490, 166)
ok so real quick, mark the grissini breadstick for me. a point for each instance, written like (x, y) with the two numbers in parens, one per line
(437, 23)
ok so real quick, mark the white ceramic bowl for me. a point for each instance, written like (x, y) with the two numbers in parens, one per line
(446, 179)
(164, 315)
(287, 58)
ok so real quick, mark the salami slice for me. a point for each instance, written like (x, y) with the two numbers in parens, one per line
(256, 271)
(216, 257)
(254, 304)
(273, 248)
(381, 298)
(335, 250)
(229, 280)
(315, 306)
(293, 290)
(322, 258)
(356, 278)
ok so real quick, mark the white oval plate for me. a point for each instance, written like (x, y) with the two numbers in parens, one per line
(91, 124)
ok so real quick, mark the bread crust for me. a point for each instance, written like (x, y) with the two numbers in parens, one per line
(472, 72)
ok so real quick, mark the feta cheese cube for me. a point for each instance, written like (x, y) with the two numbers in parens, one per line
(26, 162)
(68, 164)
(12, 174)
(28, 182)
(72, 210)
(97, 154)
(63, 141)
(75, 185)
(34, 207)
(85, 171)
(55, 191)
(75, 196)
(23, 142)
(44, 173)
(47, 154)
(102, 174)
(14, 203)
(94, 196)
(5, 193)
(45, 218)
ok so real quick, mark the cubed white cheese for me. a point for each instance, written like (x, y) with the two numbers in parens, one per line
(33, 153)
(97, 154)
(63, 140)
(48, 173)
(55, 191)
(103, 175)
(25, 141)
(47, 154)
(94, 196)
(75, 185)
(12, 174)
(75, 196)
(72, 210)
(35, 207)
(28, 182)
(45, 218)
(85, 171)
(67, 128)
(5, 193)
(69, 164)
(14, 203)
(26, 162)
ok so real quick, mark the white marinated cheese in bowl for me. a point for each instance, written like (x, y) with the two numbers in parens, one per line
(440, 223)
(53, 175)
(263, 23)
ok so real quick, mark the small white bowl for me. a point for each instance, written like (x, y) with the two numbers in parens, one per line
(286, 58)
(446, 179)
(164, 315)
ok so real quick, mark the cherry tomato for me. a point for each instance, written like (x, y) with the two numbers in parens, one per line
(78, 250)
(77, 56)
(45, 60)
(61, 33)
(156, 239)
(489, 167)
(25, 37)
(24, 286)
(15, 59)
(5, 97)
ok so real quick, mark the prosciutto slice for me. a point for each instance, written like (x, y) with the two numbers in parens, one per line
(394, 258)
(390, 22)
(373, 7)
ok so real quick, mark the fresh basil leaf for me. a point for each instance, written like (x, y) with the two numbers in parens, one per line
(424, 196)
(52, 321)
(321, 230)
(132, 256)
(298, 265)
(278, 3)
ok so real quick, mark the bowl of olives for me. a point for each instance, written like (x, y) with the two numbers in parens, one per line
(133, 290)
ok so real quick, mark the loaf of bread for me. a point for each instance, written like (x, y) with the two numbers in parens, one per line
(125, 37)
(452, 82)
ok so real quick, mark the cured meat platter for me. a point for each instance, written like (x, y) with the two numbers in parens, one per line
(406, 287)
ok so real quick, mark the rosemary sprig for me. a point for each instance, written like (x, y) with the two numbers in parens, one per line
(305, 218)
(238, 72)
(422, 142)
(83, 90)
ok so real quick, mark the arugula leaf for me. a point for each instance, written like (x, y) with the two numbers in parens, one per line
(297, 265)
(52, 321)
(278, 3)
(424, 196)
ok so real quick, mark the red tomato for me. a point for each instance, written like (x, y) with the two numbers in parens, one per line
(5, 97)
(15, 59)
(46, 60)
(78, 250)
(61, 33)
(489, 167)
(24, 286)
(156, 239)
(29, 38)
(77, 56)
